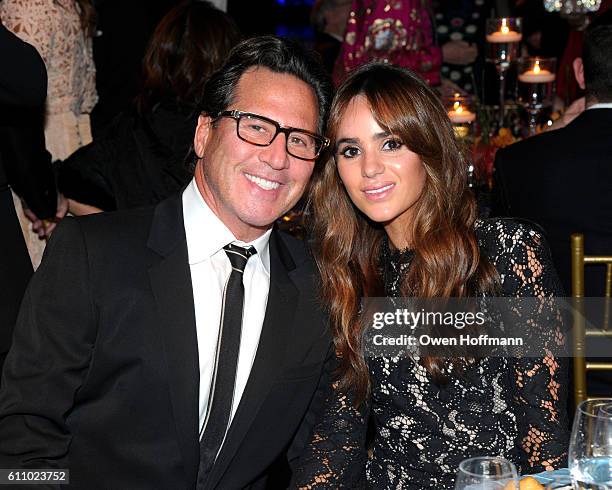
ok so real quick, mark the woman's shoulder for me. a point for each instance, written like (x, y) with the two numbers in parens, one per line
(505, 235)
(520, 253)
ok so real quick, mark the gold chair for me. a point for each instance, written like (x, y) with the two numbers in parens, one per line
(581, 333)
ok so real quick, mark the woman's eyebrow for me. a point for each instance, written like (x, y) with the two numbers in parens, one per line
(381, 135)
(350, 141)
(347, 140)
(355, 141)
(376, 136)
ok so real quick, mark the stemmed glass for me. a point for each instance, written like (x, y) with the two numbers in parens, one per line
(590, 451)
(486, 473)
(503, 38)
(536, 79)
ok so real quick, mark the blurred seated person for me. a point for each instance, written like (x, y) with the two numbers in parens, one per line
(545, 33)
(460, 30)
(140, 159)
(329, 19)
(61, 32)
(568, 86)
(25, 167)
(401, 36)
(562, 179)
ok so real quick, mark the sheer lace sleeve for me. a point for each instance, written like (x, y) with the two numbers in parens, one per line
(527, 270)
(335, 457)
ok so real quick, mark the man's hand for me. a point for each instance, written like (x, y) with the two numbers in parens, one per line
(44, 228)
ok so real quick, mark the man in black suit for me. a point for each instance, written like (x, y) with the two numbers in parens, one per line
(562, 179)
(25, 166)
(181, 346)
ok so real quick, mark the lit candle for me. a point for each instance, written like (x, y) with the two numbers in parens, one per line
(459, 115)
(537, 75)
(504, 35)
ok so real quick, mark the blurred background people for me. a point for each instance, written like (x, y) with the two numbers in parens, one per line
(398, 32)
(123, 30)
(60, 30)
(460, 33)
(25, 166)
(140, 158)
(563, 179)
(329, 20)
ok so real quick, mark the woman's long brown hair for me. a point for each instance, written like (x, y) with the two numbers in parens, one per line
(192, 41)
(347, 246)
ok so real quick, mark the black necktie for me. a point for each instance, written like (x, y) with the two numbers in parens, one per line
(224, 375)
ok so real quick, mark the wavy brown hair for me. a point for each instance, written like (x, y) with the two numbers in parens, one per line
(347, 245)
(191, 42)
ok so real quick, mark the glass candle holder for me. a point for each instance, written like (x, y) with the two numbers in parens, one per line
(503, 40)
(536, 77)
(503, 48)
(461, 112)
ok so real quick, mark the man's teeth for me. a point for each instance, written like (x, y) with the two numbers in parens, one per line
(267, 185)
(382, 189)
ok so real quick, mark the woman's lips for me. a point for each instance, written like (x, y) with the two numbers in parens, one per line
(376, 193)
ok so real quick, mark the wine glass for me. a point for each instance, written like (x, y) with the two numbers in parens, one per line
(590, 451)
(486, 473)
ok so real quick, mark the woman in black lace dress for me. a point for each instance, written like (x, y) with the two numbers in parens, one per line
(393, 216)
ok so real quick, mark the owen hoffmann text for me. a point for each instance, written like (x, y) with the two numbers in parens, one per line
(418, 319)
(461, 340)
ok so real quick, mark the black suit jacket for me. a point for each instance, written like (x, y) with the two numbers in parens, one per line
(103, 375)
(562, 180)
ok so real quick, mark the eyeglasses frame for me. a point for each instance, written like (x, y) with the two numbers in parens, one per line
(286, 130)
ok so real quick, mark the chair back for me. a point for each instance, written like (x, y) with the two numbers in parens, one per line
(580, 331)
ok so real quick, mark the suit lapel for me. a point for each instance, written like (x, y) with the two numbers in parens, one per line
(280, 310)
(172, 289)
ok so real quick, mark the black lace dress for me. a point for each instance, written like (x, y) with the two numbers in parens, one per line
(512, 407)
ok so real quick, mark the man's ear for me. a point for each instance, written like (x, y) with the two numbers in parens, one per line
(579, 72)
(202, 134)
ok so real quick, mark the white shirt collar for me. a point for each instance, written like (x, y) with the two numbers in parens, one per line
(207, 234)
(600, 105)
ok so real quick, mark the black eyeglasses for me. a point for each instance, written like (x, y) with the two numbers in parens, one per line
(261, 131)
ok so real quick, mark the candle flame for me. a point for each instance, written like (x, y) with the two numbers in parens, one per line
(536, 67)
(504, 28)
(457, 107)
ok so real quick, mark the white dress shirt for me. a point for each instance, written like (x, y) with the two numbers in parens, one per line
(220, 4)
(210, 270)
(601, 105)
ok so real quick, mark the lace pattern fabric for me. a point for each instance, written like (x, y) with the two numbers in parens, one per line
(53, 27)
(513, 407)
